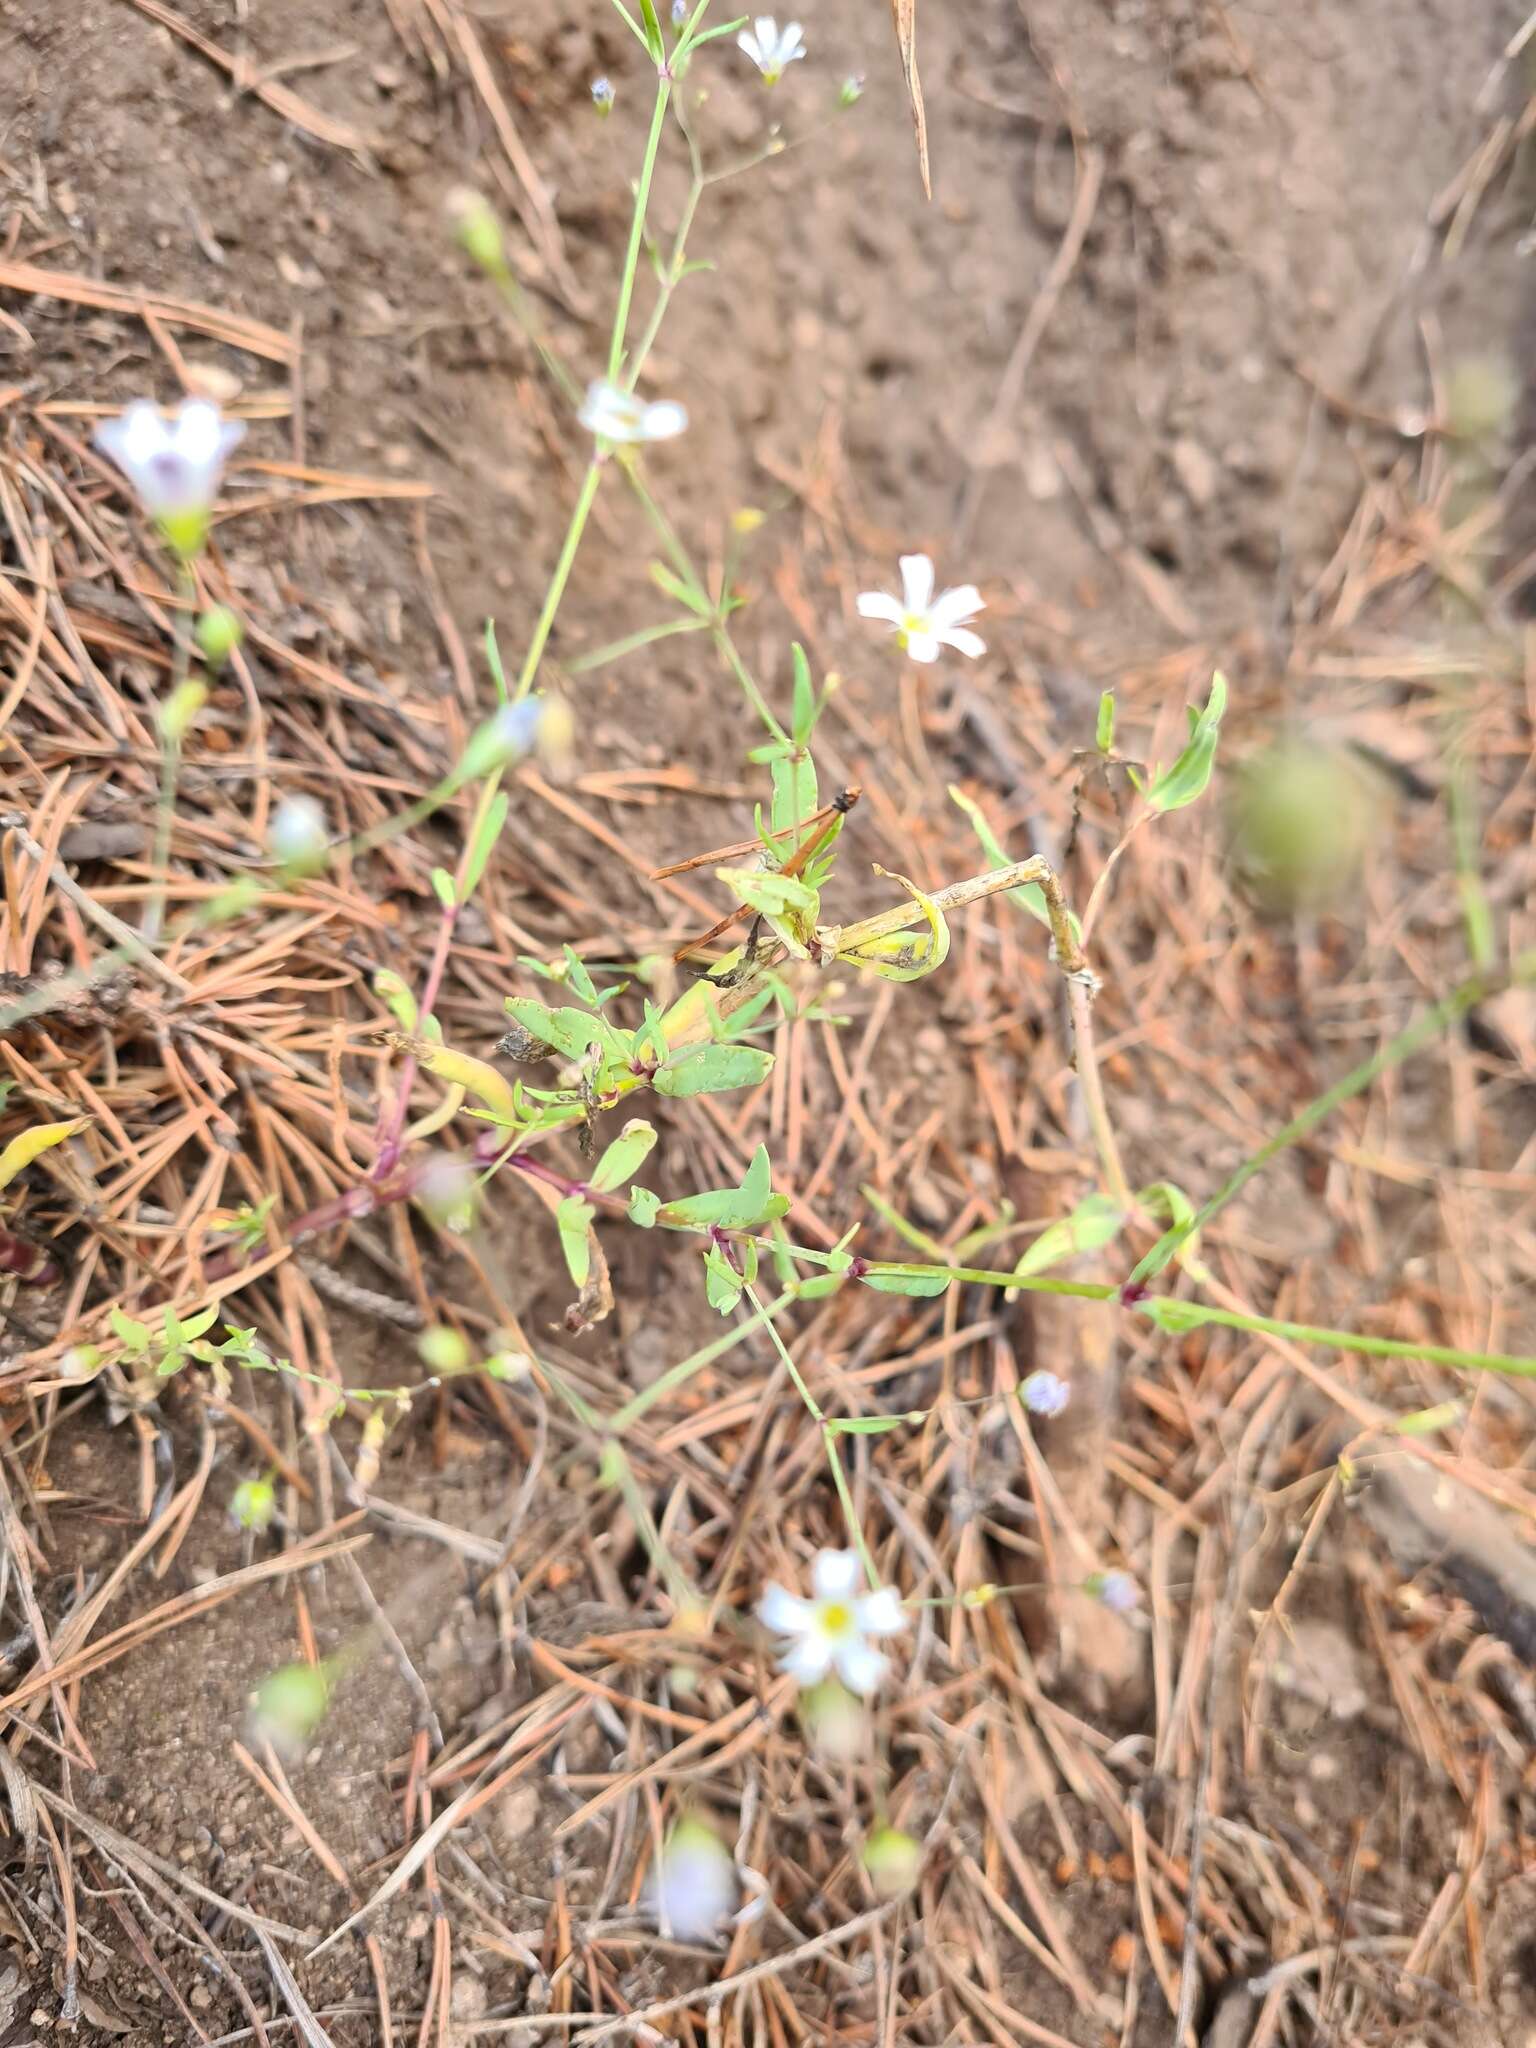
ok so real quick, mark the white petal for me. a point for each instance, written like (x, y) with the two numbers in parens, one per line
(861, 1668)
(664, 419)
(922, 647)
(809, 1660)
(196, 434)
(881, 1613)
(784, 1612)
(767, 33)
(748, 42)
(790, 45)
(138, 437)
(878, 604)
(835, 1574)
(916, 582)
(955, 607)
(696, 1885)
(963, 641)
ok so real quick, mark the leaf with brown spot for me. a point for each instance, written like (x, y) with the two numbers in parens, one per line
(904, 14)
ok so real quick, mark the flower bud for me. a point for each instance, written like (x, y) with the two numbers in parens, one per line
(297, 837)
(287, 1707)
(477, 229)
(603, 95)
(894, 1862)
(253, 1504)
(446, 1194)
(443, 1349)
(504, 737)
(218, 633)
(178, 714)
(850, 91)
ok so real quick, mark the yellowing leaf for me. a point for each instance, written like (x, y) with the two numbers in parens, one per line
(904, 14)
(22, 1150)
(476, 1077)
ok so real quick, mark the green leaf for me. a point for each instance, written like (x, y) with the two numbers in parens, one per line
(650, 1041)
(920, 1281)
(722, 1282)
(643, 1206)
(802, 721)
(1028, 895)
(487, 832)
(819, 1285)
(442, 885)
(1190, 774)
(904, 956)
(668, 581)
(712, 1069)
(1163, 1199)
(794, 796)
(789, 905)
(624, 1157)
(1174, 1316)
(653, 36)
(1094, 1223)
(493, 661)
(1104, 731)
(740, 1208)
(134, 1337)
(578, 978)
(200, 1324)
(872, 1425)
(568, 1030)
(741, 1019)
(573, 1220)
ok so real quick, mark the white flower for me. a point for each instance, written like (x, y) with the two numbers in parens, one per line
(696, 1886)
(830, 1630)
(1044, 1393)
(771, 47)
(174, 465)
(925, 623)
(1117, 1590)
(615, 415)
(297, 836)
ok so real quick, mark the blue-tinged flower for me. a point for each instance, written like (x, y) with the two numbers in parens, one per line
(1043, 1393)
(771, 47)
(175, 465)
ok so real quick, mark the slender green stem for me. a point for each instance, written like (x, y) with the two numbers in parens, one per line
(170, 763)
(637, 230)
(678, 1375)
(1419, 1033)
(560, 578)
(850, 1513)
(789, 1364)
(726, 647)
(633, 642)
(1194, 1314)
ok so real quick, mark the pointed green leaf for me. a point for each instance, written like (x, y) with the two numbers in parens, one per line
(1177, 1317)
(668, 581)
(1094, 1223)
(1189, 776)
(722, 1282)
(135, 1337)
(643, 1205)
(578, 978)
(1104, 731)
(568, 1030)
(921, 1281)
(573, 1220)
(803, 716)
(1163, 1199)
(487, 832)
(624, 1157)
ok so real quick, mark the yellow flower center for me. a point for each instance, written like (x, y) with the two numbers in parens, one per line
(836, 1618)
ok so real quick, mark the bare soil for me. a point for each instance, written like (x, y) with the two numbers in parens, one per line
(1151, 472)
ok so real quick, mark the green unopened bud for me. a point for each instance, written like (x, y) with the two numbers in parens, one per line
(504, 738)
(851, 89)
(507, 1365)
(79, 1362)
(288, 1706)
(978, 1596)
(218, 633)
(893, 1861)
(836, 1722)
(1303, 817)
(477, 229)
(253, 1504)
(446, 1194)
(442, 1349)
(178, 714)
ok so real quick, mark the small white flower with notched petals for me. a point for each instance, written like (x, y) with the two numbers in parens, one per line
(831, 1630)
(173, 464)
(771, 47)
(617, 415)
(925, 623)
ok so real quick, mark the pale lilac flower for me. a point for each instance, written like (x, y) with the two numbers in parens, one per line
(1117, 1590)
(617, 415)
(925, 623)
(695, 1886)
(1043, 1393)
(175, 464)
(603, 94)
(771, 47)
(680, 12)
(828, 1631)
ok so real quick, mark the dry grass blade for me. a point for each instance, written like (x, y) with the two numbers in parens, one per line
(904, 15)
(310, 2029)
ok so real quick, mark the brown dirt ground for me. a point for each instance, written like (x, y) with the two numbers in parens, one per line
(1242, 354)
